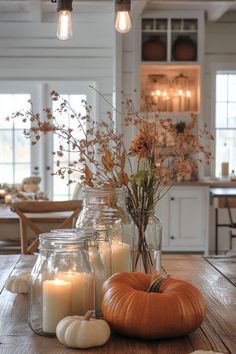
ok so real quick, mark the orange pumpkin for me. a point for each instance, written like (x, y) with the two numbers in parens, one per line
(175, 310)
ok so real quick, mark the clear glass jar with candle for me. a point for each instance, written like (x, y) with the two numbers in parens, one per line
(61, 283)
(104, 210)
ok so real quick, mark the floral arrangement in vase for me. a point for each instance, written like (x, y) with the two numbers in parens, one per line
(161, 152)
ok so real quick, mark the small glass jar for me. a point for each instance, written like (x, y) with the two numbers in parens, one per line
(61, 282)
(104, 210)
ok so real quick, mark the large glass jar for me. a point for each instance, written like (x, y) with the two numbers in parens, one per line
(61, 282)
(104, 210)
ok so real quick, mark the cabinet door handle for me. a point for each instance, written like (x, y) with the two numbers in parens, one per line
(172, 198)
(172, 237)
(47, 168)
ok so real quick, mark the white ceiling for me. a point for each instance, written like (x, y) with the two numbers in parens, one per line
(38, 10)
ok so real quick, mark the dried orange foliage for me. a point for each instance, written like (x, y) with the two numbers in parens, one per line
(161, 150)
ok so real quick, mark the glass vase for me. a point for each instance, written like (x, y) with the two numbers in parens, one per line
(61, 282)
(147, 242)
(104, 211)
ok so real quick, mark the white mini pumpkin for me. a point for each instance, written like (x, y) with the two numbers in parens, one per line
(18, 284)
(82, 331)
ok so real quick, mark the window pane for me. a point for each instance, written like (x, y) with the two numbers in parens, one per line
(5, 110)
(76, 103)
(56, 143)
(225, 149)
(6, 175)
(221, 115)
(60, 186)
(6, 146)
(19, 102)
(232, 115)
(21, 171)
(9, 104)
(221, 87)
(22, 147)
(232, 88)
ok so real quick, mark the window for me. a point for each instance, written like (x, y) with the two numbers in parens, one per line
(225, 123)
(18, 157)
(14, 147)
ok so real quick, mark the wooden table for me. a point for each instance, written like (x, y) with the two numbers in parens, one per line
(215, 277)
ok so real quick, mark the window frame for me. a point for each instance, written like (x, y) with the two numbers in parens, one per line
(40, 154)
(216, 68)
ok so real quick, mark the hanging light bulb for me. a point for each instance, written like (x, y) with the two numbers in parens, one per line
(122, 23)
(64, 24)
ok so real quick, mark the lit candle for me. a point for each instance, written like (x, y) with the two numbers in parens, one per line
(8, 199)
(188, 95)
(2, 193)
(120, 257)
(180, 94)
(82, 291)
(56, 303)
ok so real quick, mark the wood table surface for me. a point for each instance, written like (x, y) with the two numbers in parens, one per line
(215, 277)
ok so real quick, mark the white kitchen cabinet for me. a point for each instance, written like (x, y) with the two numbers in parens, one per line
(184, 215)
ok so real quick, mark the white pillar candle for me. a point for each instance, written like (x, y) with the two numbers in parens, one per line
(120, 257)
(8, 199)
(56, 303)
(82, 291)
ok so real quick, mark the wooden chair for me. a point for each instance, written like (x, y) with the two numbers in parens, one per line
(228, 203)
(231, 203)
(28, 222)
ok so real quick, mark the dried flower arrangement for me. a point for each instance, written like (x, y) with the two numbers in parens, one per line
(160, 152)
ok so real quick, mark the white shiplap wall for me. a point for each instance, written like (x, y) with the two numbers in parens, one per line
(31, 51)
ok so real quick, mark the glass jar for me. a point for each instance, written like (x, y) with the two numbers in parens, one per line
(61, 282)
(104, 210)
(148, 241)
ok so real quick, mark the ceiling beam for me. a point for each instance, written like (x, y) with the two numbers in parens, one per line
(216, 11)
(137, 7)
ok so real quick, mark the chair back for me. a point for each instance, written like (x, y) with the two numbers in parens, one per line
(33, 212)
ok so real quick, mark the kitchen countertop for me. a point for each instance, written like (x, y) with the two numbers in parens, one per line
(208, 183)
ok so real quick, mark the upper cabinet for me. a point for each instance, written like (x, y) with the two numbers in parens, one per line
(170, 60)
(171, 38)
